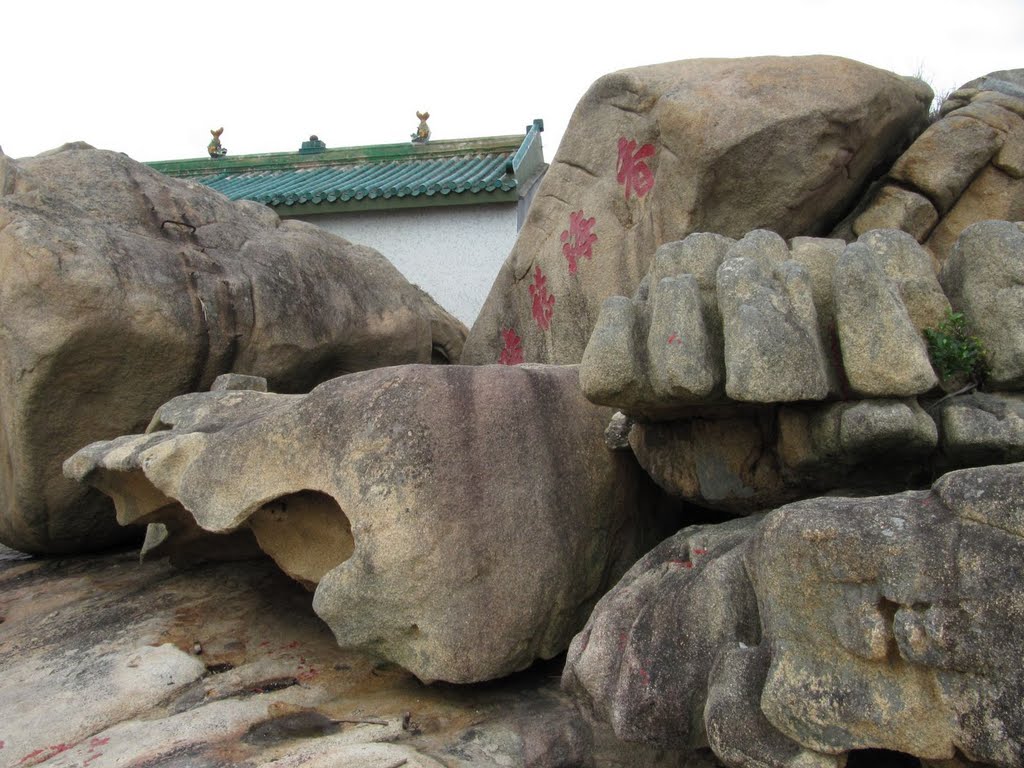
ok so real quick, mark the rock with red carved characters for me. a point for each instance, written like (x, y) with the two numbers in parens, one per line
(121, 288)
(458, 520)
(655, 153)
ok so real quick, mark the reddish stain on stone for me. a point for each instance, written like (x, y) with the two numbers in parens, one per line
(578, 240)
(645, 678)
(681, 563)
(699, 551)
(42, 755)
(543, 302)
(632, 172)
(95, 741)
(512, 352)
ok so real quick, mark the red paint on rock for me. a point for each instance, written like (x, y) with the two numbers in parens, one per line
(543, 302)
(95, 741)
(578, 240)
(699, 551)
(512, 353)
(43, 754)
(681, 563)
(632, 172)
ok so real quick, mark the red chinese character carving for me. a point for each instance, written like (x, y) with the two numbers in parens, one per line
(512, 354)
(543, 302)
(578, 240)
(633, 172)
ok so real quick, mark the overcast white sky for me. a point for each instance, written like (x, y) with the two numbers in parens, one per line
(152, 79)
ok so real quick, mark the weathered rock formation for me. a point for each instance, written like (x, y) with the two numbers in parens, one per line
(655, 153)
(122, 288)
(458, 520)
(760, 373)
(967, 167)
(826, 626)
(109, 663)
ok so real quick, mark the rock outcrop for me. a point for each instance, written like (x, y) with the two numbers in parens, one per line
(984, 278)
(110, 663)
(967, 167)
(827, 626)
(721, 321)
(655, 153)
(460, 521)
(121, 288)
(758, 373)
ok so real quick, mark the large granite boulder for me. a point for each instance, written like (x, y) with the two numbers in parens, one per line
(967, 167)
(121, 288)
(827, 626)
(655, 153)
(458, 520)
(984, 278)
(755, 320)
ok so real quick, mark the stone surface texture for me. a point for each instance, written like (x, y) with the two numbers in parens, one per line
(109, 663)
(984, 278)
(121, 288)
(751, 320)
(966, 167)
(458, 520)
(758, 374)
(824, 627)
(655, 153)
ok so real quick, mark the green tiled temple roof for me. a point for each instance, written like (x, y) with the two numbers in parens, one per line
(451, 172)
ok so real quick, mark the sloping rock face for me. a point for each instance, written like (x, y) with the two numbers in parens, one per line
(111, 663)
(655, 153)
(967, 167)
(828, 626)
(460, 521)
(121, 288)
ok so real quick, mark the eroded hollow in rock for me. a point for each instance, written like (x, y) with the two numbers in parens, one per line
(306, 533)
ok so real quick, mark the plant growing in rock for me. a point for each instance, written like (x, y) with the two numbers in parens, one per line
(958, 357)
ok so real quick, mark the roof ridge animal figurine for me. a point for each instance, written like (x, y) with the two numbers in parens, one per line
(214, 147)
(422, 135)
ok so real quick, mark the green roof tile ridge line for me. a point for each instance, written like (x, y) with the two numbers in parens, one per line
(338, 156)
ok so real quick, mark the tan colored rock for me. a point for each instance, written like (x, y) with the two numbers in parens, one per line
(967, 167)
(912, 270)
(898, 208)
(109, 663)
(123, 288)
(825, 627)
(884, 354)
(993, 195)
(942, 162)
(984, 279)
(656, 153)
(460, 521)
(773, 349)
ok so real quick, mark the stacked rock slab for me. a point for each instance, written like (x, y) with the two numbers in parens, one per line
(655, 153)
(759, 373)
(967, 167)
(121, 288)
(460, 521)
(823, 627)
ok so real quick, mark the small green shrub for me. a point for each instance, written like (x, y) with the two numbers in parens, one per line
(955, 354)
